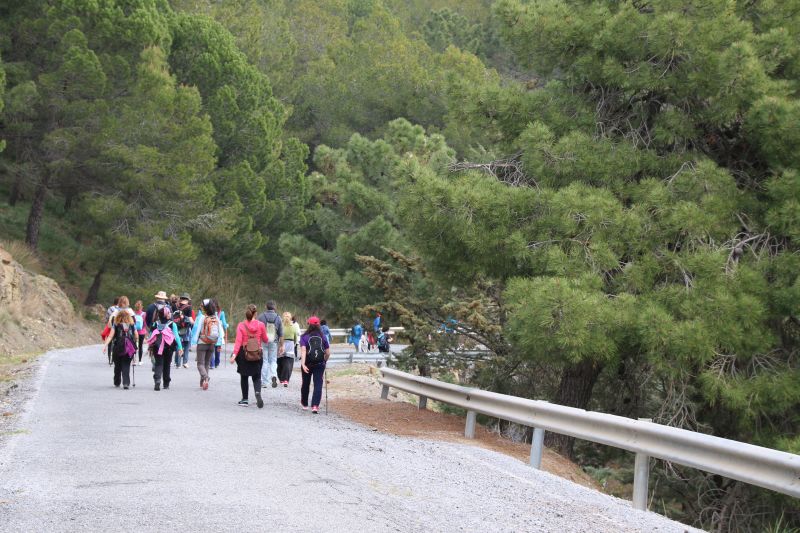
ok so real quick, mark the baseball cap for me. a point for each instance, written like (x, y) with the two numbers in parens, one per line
(313, 321)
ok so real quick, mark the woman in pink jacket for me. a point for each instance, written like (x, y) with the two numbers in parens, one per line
(248, 355)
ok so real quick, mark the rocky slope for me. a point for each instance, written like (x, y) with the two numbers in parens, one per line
(35, 314)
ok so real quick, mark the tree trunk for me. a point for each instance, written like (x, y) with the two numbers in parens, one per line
(574, 390)
(94, 290)
(36, 213)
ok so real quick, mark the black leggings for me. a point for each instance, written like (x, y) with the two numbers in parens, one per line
(256, 384)
(141, 344)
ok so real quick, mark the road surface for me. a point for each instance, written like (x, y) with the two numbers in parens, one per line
(88, 457)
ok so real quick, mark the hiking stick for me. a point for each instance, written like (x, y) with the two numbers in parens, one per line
(134, 374)
(325, 377)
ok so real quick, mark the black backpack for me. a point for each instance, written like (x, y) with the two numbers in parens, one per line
(119, 340)
(316, 351)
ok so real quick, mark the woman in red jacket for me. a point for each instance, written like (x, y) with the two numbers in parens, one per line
(248, 355)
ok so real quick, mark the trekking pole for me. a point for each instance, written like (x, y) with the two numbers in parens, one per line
(134, 376)
(325, 377)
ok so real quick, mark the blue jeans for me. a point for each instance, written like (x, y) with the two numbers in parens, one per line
(270, 367)
(317, 373)
(185, 358)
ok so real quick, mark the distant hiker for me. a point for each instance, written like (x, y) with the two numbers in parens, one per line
(224, 321)
(122, 339)
(109, 312)
(139, 322)
(162, 343)
(370, 341)
(323, 324)
(296, 327)
(376, 324)
(173, 302)
(272, 322)
(314, 353)
(355, 334)
(184, 318)
(206, 334)
(286, 360)
(248, 353)
(150, 315)
(112, 309)
(384, 341)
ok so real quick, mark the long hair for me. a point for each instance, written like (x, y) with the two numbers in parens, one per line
(251, 311)
(313, 328)
(124, 302)
(287, 319)
(123, 317)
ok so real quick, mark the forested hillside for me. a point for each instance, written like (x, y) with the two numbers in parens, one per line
(604, 194)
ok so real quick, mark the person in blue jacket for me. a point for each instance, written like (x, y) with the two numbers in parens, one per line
(376, 325)
(224, 323)
(355, 334)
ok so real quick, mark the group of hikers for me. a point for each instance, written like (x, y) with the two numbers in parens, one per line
(265, 348)
(364, 340)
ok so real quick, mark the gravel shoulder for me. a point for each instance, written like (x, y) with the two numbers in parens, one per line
(87, 456)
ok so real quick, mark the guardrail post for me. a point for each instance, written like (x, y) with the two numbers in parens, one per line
(641, 475)
(469, 429)
(537, 447)
(423, 402)
(350, 359)
(385, 392)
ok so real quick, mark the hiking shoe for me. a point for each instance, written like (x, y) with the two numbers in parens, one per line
(116, 385)
(125, 387)
(305, 407)
(285, 383)
(243, 403)
(259, 401)
(185, 365)
(166, 386)
(158, 386)
(315, 409)
(205, 384)
(274, 382)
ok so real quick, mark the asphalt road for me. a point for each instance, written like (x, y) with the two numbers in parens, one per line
(88, 457)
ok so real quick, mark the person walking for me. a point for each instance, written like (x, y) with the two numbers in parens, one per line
(150, 314)
(184, 318)
(112, 309)
(355, 335)
(122, 339)
(139, 322)
(384, 340)
(326, 331)
(206, 334)
(376, 324)
(314, 354)
(296, 327)
(224, 339)
(249, 355)
(286, 361)
(162, 343)
(274, 326)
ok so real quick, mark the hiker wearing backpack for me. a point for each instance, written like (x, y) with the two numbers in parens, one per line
(184, 317)
(314, 353)
(206, 334)
(286, 361)
(296, 327)
(249, 355)
(122, 339)
(138, 318)
(384, 341)
(272, 322)
(151, 313)
(224, 339)
(109, 312)
(162, 343)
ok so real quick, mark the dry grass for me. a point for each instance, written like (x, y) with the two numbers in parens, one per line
(23, 255)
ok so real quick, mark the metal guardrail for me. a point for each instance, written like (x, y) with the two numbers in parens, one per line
(764, 467)
(345, 332)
